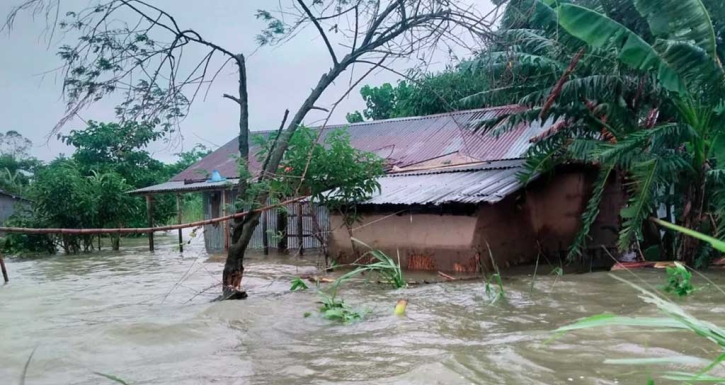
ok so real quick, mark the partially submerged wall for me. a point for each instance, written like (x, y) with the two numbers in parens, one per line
(426, 241)
(545, 217)
(505, 228)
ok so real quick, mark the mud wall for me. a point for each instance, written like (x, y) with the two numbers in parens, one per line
(546, 216)
(425, 241)
(505, 227)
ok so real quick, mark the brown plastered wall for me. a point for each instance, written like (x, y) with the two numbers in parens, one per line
(556, 204)
(505, 227)
(548, 210)
(425, 241)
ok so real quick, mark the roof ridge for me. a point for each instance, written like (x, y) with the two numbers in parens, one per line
(438, 115)
(470, 167)
(405, 118)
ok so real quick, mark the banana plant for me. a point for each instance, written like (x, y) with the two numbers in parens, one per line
(639, 92)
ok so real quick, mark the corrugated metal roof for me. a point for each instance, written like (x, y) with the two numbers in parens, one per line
(404, 141)
(16, 197)
(489, 182)
(180, 186)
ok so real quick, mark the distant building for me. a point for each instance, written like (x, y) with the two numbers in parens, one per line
(450, 191)
(8, 204)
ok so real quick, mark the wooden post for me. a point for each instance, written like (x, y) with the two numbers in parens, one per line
(178, 212)
(299, 229)
(2, 267)
(282, 229)
(150, 211)
(225, 225)
(265, 241)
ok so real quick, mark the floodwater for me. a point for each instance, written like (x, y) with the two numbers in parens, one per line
(145, 318)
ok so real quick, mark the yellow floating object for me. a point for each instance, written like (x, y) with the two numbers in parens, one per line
(400, 307)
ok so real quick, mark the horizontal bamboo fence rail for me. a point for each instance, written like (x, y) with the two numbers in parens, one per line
(143, 230)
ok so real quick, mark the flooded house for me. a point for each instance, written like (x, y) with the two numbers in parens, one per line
(451, 197)
(461, 218)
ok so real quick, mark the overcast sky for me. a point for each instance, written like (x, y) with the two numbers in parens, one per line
(279, 77)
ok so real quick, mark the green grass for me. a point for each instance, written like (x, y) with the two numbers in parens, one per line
(498, 292)
(298, 285)
(679, 281)
(335, 309)
(385, 268)
(192, 208)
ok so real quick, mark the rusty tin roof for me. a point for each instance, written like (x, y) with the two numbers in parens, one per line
(403, 142)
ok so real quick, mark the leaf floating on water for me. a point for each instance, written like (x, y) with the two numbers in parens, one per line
(112, 378)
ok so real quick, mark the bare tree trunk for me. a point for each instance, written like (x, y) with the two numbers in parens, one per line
(234, 266)
(4, 271)
(115, 242)
(243, 229)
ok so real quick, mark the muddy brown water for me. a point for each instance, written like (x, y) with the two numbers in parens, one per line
(139, 316)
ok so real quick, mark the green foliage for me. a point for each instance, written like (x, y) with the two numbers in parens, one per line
(188, 158)
(590, 213)
(16, 164)
(354, 117)
(675, 319)
(381, 266)
(424, 94)
(678, 281)
(380, 101)
(335, 309)
(494, 288)
(117, 147)
(87, 202)
(336, 175)
(298, 285)
(643, 100)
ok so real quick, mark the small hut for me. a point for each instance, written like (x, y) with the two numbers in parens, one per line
(447, 182)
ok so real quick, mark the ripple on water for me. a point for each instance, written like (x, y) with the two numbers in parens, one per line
(141, 317)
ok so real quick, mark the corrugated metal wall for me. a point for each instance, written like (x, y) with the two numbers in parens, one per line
(214, 234)
(7, 207)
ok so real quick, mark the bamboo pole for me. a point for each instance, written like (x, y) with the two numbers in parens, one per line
(282, 229)
(300, 225)
(142, 230)
(2, 267)
(225, 229)
(179, 217)
(265, 241)
(150, 212)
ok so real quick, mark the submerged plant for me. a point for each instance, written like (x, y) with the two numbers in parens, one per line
(495, 290)
(336, 309)
(112, 378)
(676, 319)
(298, 285)
(678, 280)
(388, 271)
(493, 293)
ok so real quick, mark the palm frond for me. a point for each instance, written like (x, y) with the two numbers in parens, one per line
(630, 148)
(533, 40)
(590, 213)
(602, 32)
(647, 178)
(681, 20)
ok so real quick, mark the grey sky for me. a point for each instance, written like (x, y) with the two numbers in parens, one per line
(279, 77)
